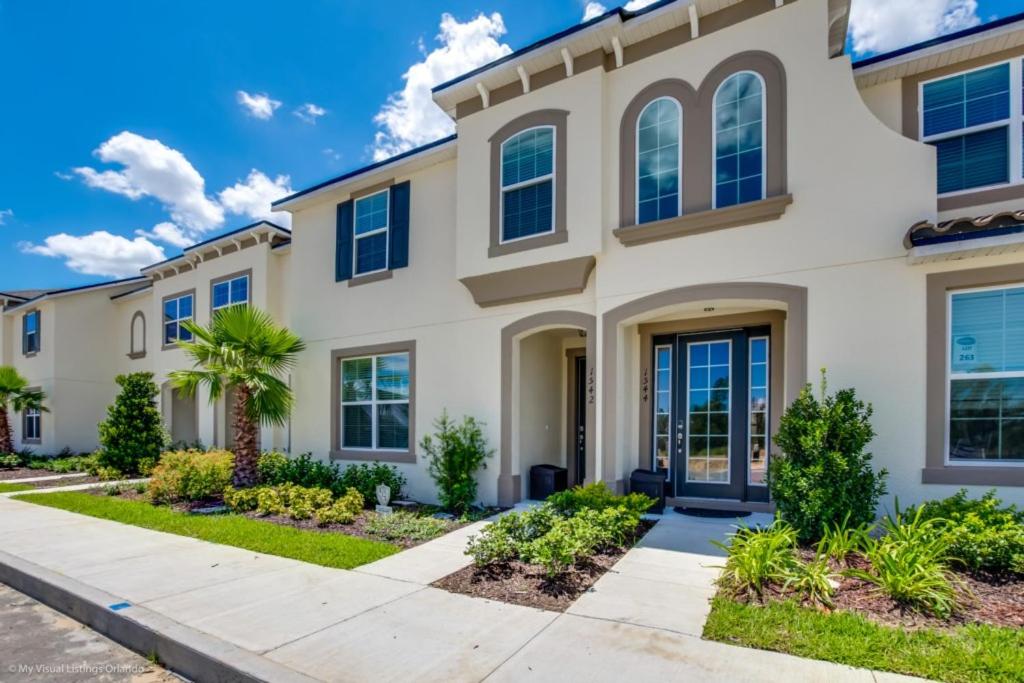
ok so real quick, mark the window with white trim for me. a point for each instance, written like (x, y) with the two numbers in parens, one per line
(975, 120)
(176, 311)
(231, 292)
(32, 425)
(985, 372)
(739, 140)
(659, 160)
(375, 402)
(372, 223)
(527, 184)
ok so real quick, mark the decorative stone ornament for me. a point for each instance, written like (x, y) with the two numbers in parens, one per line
(383, 498)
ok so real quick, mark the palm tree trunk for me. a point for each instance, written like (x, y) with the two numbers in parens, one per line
(6, 445)
(247, 450)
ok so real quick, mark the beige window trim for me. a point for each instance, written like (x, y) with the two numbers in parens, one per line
(357, 280)
(391, 456)
(24, 424)
(544, 117)
(163, 345)
(141, 353)
(698, 156)
(227, 278)
(936, 470)
(39, 333)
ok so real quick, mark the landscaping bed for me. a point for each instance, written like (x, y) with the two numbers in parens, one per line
(64, 481)
(547, 556)
(529, 585)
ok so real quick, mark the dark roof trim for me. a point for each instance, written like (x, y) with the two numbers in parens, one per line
(623, 14)
(281, 245)
(144, 287)
(69, 290)
(215, 238)
(5, 295)
(365, 169)
(980, 28)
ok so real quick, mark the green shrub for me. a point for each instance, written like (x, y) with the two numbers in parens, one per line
(242, 500)
(10, 461)
(342, 511)
(758, 558)
(563, 545)
(405, 525)
(456, 452)
(276, 468)
(67, 465)
(812, 581)
(133, 435)
(982, 534)
(824, 475)
(596, 496)
(840, 540)
(365, 478)
(190, 476)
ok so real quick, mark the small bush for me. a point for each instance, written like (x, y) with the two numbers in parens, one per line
(841, 540)
(824, 475)
(68, 465)
(241, 500)
(563, 545)
(133, 435)
(456, 452)
(10, 461)
(365, 478)
(405, 525)
(597, 496)
(812, 581)
(342, 511)
(276, 468)
(982, 534)
(190, 476)
(758, 558)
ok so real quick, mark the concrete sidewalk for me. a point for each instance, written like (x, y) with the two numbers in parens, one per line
(216, 612)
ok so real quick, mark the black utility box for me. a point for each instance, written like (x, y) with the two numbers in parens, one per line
(547, 479)
(651, 484)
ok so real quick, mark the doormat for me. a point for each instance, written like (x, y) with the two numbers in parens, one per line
(708, 512)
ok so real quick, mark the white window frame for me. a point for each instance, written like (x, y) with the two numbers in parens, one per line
(764, 138)
(526, 183)
(679, 160)
(654, 411)
(951, 376)
(376, 231)
(248, 292)
(164, 321)
(30, 415)
(373, 402)
(1015, 122)
(767, 405)
(728, 447)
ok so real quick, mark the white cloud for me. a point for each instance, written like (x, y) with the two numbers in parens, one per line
(259, 106)
(310, 112)
(332, 154)
(252, 197)
(5, 214)
(883, 25)
(99, 253)
(593, 9)
(155, 170)
(171, 234)
(410, 117)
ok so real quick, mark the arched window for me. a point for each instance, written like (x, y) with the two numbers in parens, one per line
(739, 140)
(659, 160)
(527, 183)
(137, 343)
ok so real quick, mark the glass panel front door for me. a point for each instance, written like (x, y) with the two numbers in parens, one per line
(707, 411)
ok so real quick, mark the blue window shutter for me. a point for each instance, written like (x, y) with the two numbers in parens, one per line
(343, 248)
(399, 231)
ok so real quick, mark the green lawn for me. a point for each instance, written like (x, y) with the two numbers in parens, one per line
(969, 654)
(11, 488)
(326, 549)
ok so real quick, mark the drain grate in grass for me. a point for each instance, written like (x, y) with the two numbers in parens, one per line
(326, 549)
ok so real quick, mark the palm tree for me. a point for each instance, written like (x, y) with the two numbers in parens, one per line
(14, 393)
(244, 352)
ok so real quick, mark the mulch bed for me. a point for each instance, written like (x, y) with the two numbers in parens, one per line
(70, 481)
(986, 599)
(28, 472)
(525, 584)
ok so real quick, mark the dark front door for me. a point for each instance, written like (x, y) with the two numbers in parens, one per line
(580, 417)
(711, 413)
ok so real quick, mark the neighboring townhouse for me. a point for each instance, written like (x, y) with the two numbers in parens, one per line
(72, 343)
(650, 231)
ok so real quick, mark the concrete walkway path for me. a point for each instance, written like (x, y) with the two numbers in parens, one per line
(217, 612)
(70, 487)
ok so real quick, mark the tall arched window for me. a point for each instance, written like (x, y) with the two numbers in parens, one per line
(739, 140)
(137, 342)
(527, 184)
(659, 160)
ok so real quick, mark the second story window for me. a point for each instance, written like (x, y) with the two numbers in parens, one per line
(372, 221)
(739, 140)
(659, 160)
(974, 120)
(527, 184)
(177, 309)
(230, 292)
(30, 332)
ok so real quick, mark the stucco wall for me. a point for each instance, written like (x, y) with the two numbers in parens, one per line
(541, 415)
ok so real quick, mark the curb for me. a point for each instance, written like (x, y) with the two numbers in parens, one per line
(186, 651)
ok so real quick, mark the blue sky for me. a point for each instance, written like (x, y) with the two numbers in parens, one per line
(129, 129)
